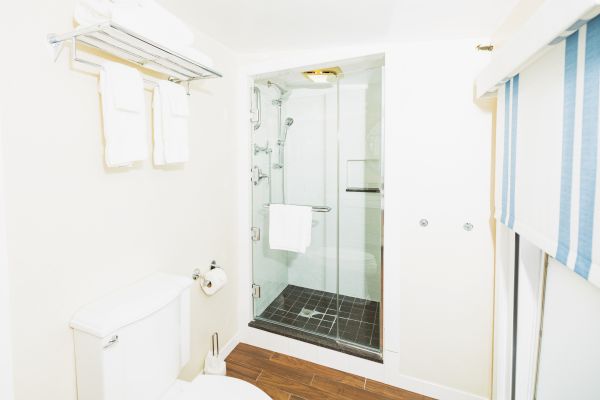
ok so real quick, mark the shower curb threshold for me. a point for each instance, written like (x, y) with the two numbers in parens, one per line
(317, 340)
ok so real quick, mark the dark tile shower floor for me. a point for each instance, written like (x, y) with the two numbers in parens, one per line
(316, 311)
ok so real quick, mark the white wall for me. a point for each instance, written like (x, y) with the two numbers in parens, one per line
(77, 230)
(308, 174)
(6, 377)
(438, 287)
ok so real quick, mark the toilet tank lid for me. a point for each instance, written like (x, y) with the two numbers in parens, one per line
(126, 306)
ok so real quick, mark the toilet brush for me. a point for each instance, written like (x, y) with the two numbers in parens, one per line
(212, 364)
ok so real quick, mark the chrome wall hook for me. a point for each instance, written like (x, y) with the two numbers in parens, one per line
(196, 274)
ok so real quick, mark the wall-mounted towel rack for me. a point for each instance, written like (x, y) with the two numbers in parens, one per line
(125, 44)
(321, 209)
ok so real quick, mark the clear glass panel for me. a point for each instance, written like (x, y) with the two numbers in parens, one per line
(360, 207)
(300, 127)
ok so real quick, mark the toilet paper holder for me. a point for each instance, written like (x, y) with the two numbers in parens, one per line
(197, 274)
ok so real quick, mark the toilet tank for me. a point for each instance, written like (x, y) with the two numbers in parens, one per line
(132, 344)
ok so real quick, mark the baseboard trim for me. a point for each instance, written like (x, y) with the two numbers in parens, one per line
(229, 346)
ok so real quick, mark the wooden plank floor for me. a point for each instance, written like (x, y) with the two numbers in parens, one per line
(287, 378)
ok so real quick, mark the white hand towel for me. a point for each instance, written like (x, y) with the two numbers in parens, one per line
(171, 113)
(122, 90)
(290, 227)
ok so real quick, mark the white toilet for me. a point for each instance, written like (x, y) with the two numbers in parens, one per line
(132, 345)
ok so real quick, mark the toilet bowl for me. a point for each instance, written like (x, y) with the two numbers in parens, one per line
(134, 343)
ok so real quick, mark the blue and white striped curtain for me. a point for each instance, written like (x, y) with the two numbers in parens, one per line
(547, 152)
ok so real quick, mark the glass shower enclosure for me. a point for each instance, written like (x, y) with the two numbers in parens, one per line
(318, 142)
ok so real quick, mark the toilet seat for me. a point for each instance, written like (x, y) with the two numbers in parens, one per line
(212, 387)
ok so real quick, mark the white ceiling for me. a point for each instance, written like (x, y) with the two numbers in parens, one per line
(250, 26)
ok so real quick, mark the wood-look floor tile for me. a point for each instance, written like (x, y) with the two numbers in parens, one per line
(255, 351)
(343, 391)
(391, 392)
(247, 371)
(250, 361)
(287, 378)
(330, 373)
(233, 374)
(295, 388)
(274, 392)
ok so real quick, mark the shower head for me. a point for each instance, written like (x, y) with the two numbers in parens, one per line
(286, 125)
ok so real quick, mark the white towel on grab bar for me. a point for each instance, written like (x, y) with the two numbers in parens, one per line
(290, 227)
(171, 114)
(123, 106)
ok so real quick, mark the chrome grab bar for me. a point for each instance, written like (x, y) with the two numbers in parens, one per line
(321, 209)
(258, 121)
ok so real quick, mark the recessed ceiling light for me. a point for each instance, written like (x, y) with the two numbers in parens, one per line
(324, 75)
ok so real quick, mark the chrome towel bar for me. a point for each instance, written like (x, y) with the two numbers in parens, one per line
(320, 209)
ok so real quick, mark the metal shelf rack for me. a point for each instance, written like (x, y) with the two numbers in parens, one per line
(125, 44)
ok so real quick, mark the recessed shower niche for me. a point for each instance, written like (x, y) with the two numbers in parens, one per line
(317, 137)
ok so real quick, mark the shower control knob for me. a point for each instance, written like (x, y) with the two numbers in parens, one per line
(423, 223)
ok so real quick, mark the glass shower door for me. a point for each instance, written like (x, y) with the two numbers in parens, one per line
(295, 146)
(360, 208)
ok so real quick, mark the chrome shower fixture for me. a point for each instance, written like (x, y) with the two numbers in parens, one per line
(262, 149)
(282, 91)
(289, 121)
(284, 94)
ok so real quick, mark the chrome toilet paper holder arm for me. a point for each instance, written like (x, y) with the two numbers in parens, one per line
(196, 274)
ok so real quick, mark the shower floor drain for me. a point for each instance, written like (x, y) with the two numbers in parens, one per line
(308, 313)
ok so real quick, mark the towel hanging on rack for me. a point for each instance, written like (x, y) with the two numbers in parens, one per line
(171, 113)
(123, 106)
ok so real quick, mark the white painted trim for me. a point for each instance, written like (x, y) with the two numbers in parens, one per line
(503, 313)
(550, 21)
(226, 350)
(388, 372)
(6, 377)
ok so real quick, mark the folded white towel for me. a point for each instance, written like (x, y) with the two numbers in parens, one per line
(171, 113)
(145, 17)
(123, 107)
(154, 22)
(290, 227)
